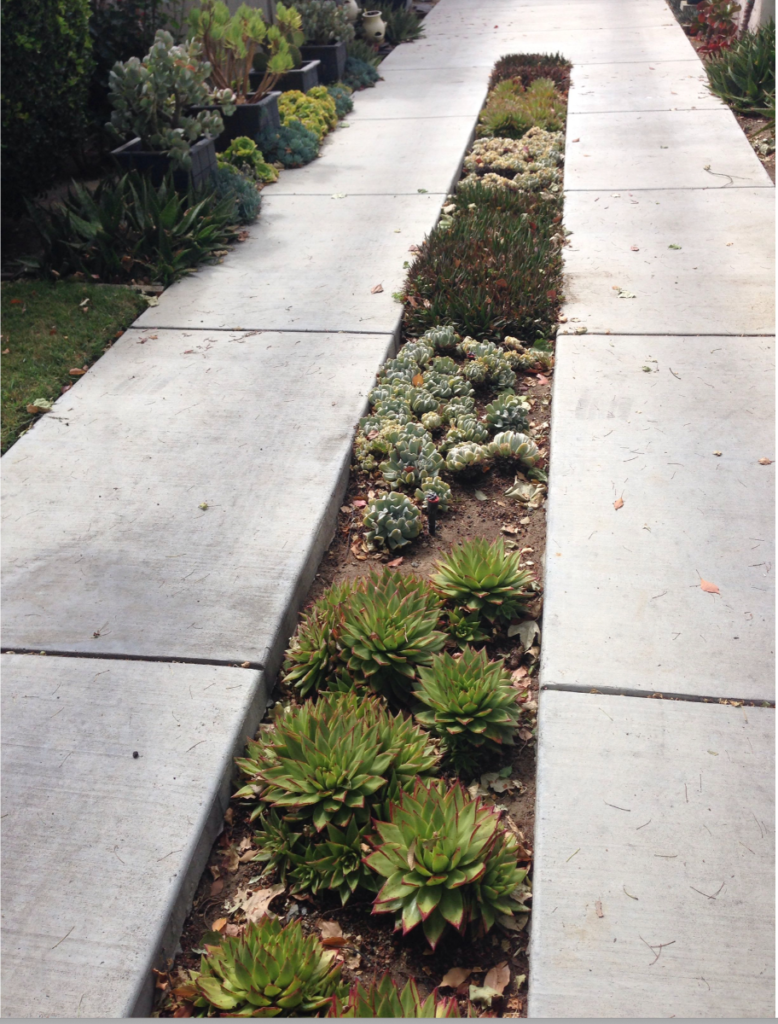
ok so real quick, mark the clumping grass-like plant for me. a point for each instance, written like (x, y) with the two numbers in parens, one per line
(384, 998)
(271, 970)
(482, 577)
(446, 861)
(333, 761)
(511, 110)
(470, 700)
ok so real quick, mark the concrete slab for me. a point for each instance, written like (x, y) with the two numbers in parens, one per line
(420, 93)
(721, 280)
(654, 828)
(623, 604)
(107, 549)
(660, 149)
(381, 157)
(102, 851)
(300, 269)
(609, 88)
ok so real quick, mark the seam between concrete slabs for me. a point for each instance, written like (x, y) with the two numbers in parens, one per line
(622, 691)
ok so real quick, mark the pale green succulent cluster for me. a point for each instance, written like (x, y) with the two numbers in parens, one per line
(512, 445)
(391, 521)
(530, 164)
(467, 457)
(411, 460)
(508, 412)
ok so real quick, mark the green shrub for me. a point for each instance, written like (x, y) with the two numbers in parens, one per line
(744, 75)
(127, 230)
(47, 65)
(244, 155)
(526, 67)
(314, 110)
(359, 75)
(494, 271)
(511, 110)
(324, 21)
(231, 183)
(343, 101)
(361, 50)
(292, 145)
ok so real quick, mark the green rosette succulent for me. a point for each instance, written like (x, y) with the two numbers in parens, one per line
(410, 461)
(276, 842)
(417, 352)
(397, 370)
(466, 428)
(391, 632)
(444, 364)
(270, 971)
(393, 389)
(462, 406)
(431, 420)
(446, 385)
(482, 577)
(337, 863)
(423, 401)
(383, 998)
(444, 339)
(432, 852)
(467, 457)
(508, 412)
(465, 627)
(314, 654)
(323, 763)
(512, 445)
(435, 485)
(470, 700)
(392, 521)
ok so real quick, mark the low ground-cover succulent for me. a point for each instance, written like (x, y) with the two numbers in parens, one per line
(391, 632)
(314, 110)
(392, 521)
(244, 155)
(271, 970)
(411, 460)
(467, 458)
(334, 760)
(446, 861)
(515, 446)
(435, 485)
(511, 109)
(344, 104)
(359, 74)
(470, 700)
(531, 164)
(483, 577)
(228, 184)
(508, 412)
(384, 998)
(526, 67)
(335, 863)
(291, 145)
(324, 21)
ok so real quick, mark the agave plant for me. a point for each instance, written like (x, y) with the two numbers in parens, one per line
(384, 999)
(508, 412)
(391, 632)
(467, 457)
(323, 763)
(433, 851)
(470, 699)
(276, 842)
(392, 521)
(313, 657)
(336, 863)
(510, 445)
(269, 971)
(482, 577)
(465, 627)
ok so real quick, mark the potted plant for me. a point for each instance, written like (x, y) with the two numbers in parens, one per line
(153, 100)
(327, 29)
(230, 43)
(304, 74)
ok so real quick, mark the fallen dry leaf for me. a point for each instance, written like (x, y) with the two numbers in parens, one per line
(509, 529)
(456, 976)
(765, 462)
(709, 588)
(542, 379)
(330, 930)
(218, 925)
(76, 372)
(232, 931)
(232, 861)
(359, 503)
(498, 978)
(397, 561)
(256, 906)
(376, 289)
(229, 815)
(245, 844)
(335, 942)
(598, 908)
(217, 886)
(618, 503)
(635, 248)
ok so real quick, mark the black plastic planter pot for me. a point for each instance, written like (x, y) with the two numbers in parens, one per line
(249, 119)
(332, 57)
(303, 78)
(131, 157)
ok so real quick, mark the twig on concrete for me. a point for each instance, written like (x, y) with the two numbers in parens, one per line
(660, 946)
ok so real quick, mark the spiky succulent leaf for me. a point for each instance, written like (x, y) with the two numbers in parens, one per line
(437, 843)
(512, 445)
(469, 699)
(481, 576)
(268, 971)
(313, 656)
(383, 998)
(335, 863)
(327, 762)
(391, 632)
(465, 627)
(392, 521)
(276, 842)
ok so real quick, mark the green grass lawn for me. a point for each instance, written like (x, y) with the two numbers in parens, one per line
(46, 333)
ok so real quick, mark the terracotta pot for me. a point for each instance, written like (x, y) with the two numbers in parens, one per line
(373, 27)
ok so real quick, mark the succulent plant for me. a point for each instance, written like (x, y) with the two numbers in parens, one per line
(444, 364)
(508, 412)
(511, 445)
(418, 352)
(470, 699)
(392, 521)
(391, 632)
(445, 339)
(435, 485)
(410, 460)
(276, 842)
(423, 401)
(292, 145)
(271, 970)
(467, 457)
(383, 998)
(465, 627)
(396, 410)
(462, 406)
(315, 110)
(323, 763)
(397, 370)
(482, 577)
(536, 357)
(313, 656)
(431, 420)
(466, 428)
(384, 392)
(436, 846)
(336, 863)
(446, 385)
(243, 154)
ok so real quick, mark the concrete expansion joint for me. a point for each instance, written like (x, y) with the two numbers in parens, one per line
(159, 659)
(694, 698)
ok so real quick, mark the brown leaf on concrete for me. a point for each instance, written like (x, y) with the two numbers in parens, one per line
(709, 588)
(376, 289)
(598, 908)
(618, 503)
(765, 462)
